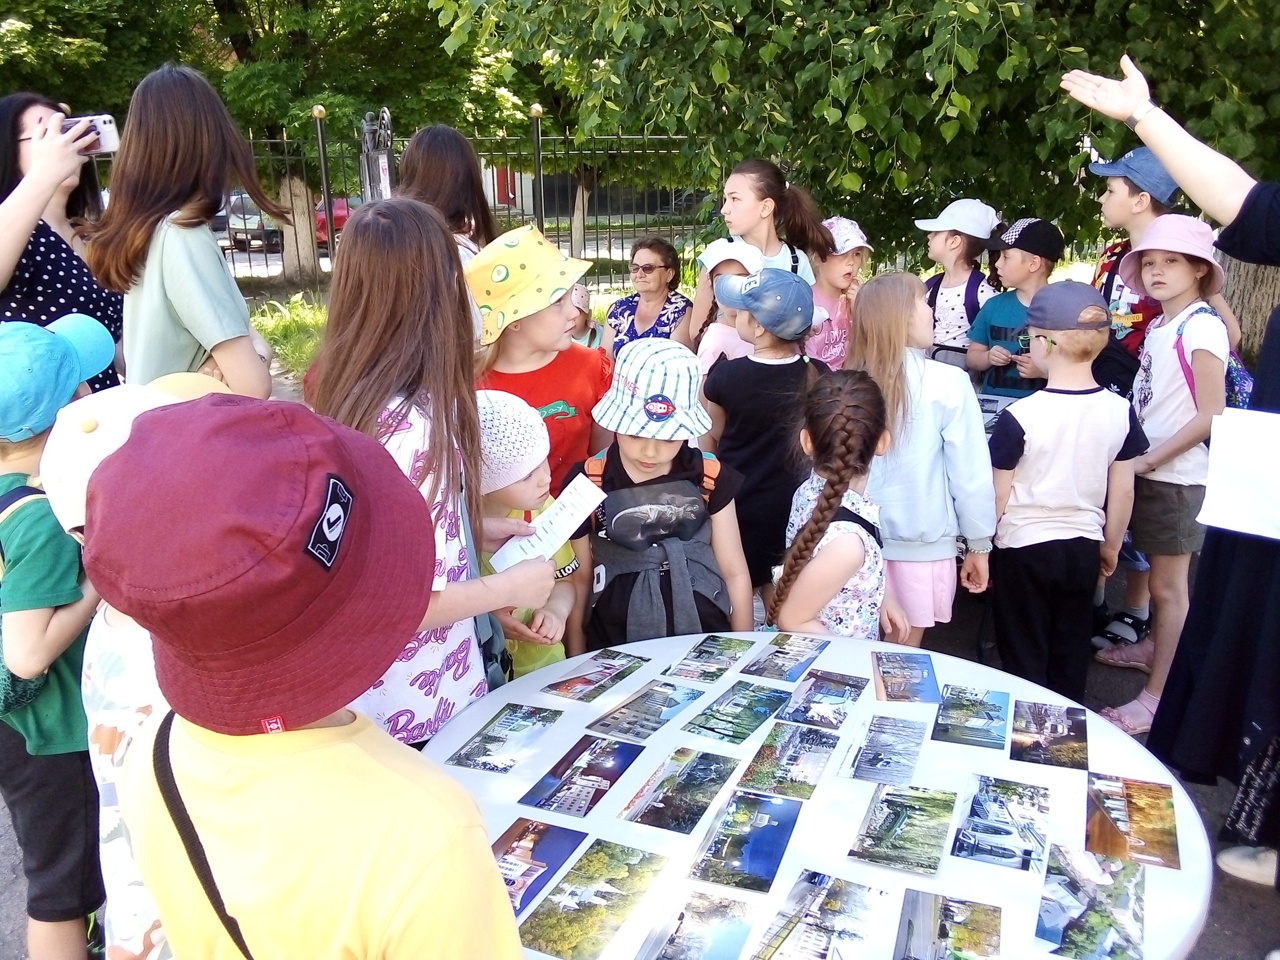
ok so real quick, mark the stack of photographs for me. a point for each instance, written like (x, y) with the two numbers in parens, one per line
(790, 761)
(975, 718)
(707, 927)
(823, 699)
(936, 926)
(748, 841)
(1007, 825)
(1050, 734)
(511, 736)
(786, 658)
(1132, 820)
(889, 753)
(1092, 906)
(824, 916)
(680, 791)
(582, 776)
(905, 828)
(710, 659)
(906, 677)
(529, 853)
(646, 711)
(739, 712)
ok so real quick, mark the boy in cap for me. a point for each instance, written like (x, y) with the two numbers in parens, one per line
(663, 547)
(267, 819)
(1063, 468)
(45, 778)
(1029, 250)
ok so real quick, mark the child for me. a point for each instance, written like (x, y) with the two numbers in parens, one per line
(45, 780)
(586, 332)
(397, 364)
(753, 402)
(934, 484)
(515, 481)
(522, 283)
(1063, 466)
(835, 284)
(1180, 387)
(1029, 250)
(832, 580)
(957, 238)
(664, 545)
(717, 335)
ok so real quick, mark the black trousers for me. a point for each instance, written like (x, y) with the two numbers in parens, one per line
(1043, 611)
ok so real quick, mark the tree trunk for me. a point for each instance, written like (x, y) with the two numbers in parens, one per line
(586, 178)
(1253, 292)
(298, 241)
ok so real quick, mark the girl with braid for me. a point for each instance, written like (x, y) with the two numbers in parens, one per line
(833, 578)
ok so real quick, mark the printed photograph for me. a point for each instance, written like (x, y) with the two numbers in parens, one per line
(710, 659)
(787, 657)
(1091, 906)
(906, 677)
(823, 699)
(529, 853)
(1132, 820)
(707, 927)
(826, 917)
(582, 776)
(511, 736)
(889, 752)
(905, 828)
(739, 712)
(579, 918)
(1007, 825)
(595, 675)
(974, 718)
(646, 711)
(680, 791)
(1049, 734)
(746, 845)
(790, 761)
(936, 926)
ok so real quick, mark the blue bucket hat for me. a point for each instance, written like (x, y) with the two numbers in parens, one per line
(1146, 172)
(780, 301)
(40, 368)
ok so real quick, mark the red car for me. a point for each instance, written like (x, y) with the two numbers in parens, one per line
(342, 207)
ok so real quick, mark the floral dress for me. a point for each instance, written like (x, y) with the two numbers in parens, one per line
(622, 317)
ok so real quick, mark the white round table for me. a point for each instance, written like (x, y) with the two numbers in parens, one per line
(1176, 900)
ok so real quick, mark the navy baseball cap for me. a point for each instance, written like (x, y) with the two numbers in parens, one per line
(1058, 306)
(1147, 173)
(780, 301)
(1038, 237)
(40, 368)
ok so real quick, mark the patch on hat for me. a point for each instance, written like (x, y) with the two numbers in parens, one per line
(1014, 232)
(659, 408)
(326, 536)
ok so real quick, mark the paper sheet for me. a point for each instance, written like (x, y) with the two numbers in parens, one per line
(553, 528)
(1243, 489)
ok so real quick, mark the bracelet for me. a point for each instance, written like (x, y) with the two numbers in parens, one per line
(978, 550)
(1140, 112)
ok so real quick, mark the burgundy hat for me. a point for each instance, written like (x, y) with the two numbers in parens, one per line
(280, 560)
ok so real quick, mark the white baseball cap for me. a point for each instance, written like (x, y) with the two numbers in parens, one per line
(971, 217)
(654, 393)
(718, 251)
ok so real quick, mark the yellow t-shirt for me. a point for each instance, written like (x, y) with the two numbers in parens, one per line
(327, 844)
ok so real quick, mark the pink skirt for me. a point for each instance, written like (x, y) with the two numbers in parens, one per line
(925, 589)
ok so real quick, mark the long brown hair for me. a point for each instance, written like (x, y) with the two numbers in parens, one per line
(440, 167)
(181, 151)
(400, 326)
(881, 321)
(795, 215)
(844, 412)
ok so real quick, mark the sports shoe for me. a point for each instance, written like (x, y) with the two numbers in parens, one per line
(1254, 864)
(1123, 628)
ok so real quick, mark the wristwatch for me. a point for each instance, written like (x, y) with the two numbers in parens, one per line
(1140, 111)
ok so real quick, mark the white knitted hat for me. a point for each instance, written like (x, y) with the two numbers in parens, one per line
(513, 439)
(654, 393)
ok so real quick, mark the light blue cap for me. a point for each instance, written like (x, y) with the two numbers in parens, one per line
(1146, 172)
(780, 301)
(40, 368)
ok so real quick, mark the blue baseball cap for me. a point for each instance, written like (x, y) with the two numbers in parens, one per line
(40, 368)
(1146, 172)
(780, 301)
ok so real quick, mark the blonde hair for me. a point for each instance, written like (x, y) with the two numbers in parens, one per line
(1082, 346)
(882, 315)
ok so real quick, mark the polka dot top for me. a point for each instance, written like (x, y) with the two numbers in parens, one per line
(51, 281)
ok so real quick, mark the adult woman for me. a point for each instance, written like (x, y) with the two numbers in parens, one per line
(657, 308)
(47, 190)
(179, 155)
(440, 167)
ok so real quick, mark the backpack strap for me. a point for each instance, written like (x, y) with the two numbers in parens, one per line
(795, 259)
(848, 516)
(594, 469)
(931, 288)
(11, 502)
(971, 304)
(1183, 362)
(710, 471)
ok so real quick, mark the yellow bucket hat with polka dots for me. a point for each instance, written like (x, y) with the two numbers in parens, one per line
(517, 275)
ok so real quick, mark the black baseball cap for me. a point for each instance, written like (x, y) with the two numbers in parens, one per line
(1038, 237)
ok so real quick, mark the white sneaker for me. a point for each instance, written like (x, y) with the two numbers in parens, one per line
(1255, 864)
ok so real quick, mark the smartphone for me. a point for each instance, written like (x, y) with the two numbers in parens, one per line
(104, 126)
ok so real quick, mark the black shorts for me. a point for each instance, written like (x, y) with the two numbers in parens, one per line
(53, 803)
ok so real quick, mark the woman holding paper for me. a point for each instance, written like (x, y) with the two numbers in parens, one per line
(1220, 711)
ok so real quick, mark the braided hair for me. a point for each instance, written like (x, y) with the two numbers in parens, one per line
(844, 413)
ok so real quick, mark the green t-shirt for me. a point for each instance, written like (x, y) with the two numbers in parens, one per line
(42, 569)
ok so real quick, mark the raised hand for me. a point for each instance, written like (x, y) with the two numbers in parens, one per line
(1116, 99)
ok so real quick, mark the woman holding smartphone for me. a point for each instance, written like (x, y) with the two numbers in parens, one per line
(47, 195)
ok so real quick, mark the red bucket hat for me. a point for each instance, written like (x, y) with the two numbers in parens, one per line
(280, 560)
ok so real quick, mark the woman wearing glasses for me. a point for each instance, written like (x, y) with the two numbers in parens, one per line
(657, 308)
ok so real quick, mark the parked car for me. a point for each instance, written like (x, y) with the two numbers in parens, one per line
(342, 208)
(247, 224)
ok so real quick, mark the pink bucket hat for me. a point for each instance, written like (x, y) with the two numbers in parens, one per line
(1179, 234)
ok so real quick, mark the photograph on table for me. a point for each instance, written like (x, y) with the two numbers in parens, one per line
(824, 916)
(582, 776)
(974, 718)
(707, 927)
(1008, 825)
(888, 752)
(710, 659)
(511, 736)
(786, 658)
(646, 711)
(529, 854)
(1049, 734)
(582, 914)
(905, 828)
(936, 926)
(746, 844)
(1131, 820)
(790, 761)
(1091, 906)
(680, 791)
(738, 712)
(593, 676)
(905, 677)
(823, 699)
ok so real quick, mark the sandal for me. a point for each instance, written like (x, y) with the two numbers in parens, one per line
(1130, 656)
(1124, 627)
(1135, 717)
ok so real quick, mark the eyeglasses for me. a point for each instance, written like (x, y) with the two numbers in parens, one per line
(1024, 340)
(647, 268)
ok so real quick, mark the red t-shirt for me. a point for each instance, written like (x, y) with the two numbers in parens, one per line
(564, 392)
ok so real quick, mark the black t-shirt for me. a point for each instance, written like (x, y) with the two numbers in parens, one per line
(1254, 235)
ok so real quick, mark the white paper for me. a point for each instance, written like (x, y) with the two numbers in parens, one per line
(1242, 492)
(552, 529)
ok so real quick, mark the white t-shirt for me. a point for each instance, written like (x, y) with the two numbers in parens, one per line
(950, 320)
(782, 260)
(440, 671)
(1161, 394)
